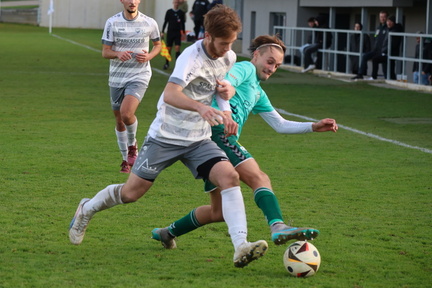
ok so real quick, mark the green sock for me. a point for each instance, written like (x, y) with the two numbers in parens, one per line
(184, 225)
(268, 203)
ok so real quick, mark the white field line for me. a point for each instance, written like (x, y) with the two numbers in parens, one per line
(360, 132)
(99, 51)
(288, 113)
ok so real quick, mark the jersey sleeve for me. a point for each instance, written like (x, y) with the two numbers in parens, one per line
(155, 34)
(263, 104)
(108, 35)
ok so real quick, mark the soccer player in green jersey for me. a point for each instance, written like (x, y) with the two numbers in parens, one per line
(245, 77)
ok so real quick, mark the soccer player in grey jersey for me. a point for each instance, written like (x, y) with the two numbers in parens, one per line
(182, 131)
(125, 42)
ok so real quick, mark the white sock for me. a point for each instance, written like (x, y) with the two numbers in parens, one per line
(122, 143)
(104, 199)
(131, 133)
(234, 213)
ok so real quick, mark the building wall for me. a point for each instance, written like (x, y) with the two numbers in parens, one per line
(93, 14)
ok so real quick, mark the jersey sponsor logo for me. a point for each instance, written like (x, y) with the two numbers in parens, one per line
(128, 41)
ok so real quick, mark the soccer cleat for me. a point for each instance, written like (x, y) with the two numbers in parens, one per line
(309, 68)
(132, 154)
(162, 235)
(79, 224)
(248, 252)
(283, 233)
(125, 168)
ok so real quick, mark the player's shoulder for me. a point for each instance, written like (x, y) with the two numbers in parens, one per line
(144, 17)
(116, 17)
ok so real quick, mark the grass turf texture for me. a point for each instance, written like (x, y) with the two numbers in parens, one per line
(370, 199)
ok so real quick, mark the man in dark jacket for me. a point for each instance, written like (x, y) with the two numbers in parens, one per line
(395, 43)
(377, 51)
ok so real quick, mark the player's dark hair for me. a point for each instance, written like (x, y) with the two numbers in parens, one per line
(266, 39)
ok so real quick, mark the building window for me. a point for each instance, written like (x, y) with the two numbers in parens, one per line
(253, 25)
(277, 19)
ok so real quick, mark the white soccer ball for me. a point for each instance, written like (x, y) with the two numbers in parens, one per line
(302, 259)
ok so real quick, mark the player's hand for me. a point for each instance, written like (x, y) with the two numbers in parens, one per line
(213, 116)
(142, 57)
(325, 125)
(224, 89)
(124, 55)
(230, 126)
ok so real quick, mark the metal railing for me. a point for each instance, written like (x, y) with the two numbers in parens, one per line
(336, 58)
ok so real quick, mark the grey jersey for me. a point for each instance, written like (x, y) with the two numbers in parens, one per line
(129, 35)
(196, 72)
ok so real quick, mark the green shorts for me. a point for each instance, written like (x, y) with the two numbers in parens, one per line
(234, 150)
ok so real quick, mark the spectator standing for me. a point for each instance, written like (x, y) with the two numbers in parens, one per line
(125, 41)
(395, 43)
(378, 52)
(175, 20)
(355, 46)
(199, 9)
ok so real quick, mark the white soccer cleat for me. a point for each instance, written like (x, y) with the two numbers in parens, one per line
(248, 252)
(79, 224)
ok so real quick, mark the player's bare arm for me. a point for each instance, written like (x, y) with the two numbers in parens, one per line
(146, 56)
(108, 53)
(174, 96)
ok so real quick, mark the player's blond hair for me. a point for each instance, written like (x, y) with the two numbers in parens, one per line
(222, 21)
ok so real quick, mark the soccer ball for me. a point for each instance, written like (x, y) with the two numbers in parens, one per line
(302, 259)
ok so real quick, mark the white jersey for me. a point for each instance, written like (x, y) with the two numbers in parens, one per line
(196, 72)
(129, 35)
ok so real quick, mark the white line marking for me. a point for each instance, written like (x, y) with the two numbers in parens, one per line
(76, 43)
(288, 113)
(360, 132)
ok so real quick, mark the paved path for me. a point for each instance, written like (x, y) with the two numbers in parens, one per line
(18, 3)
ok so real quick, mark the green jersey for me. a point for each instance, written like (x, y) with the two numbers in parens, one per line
(249, 97)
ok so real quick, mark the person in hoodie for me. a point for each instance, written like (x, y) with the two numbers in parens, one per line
(395, 43)
(355, 43)
(320, 38)
(378, 50)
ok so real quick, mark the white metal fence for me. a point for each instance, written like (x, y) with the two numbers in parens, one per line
(336, 58)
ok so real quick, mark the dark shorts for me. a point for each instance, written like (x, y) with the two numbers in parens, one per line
(154, 156)
(233, 149)
(174, 37)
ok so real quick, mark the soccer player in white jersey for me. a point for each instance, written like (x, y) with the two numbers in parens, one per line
(267, 55)
(182, 131)
(125, 42)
